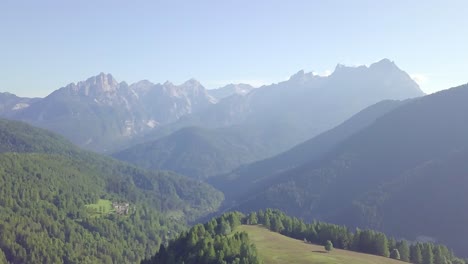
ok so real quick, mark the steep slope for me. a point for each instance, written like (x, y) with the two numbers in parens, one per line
(290, 112)
(50, 202)
(443, 182)
(238, 182)
(349, 184)
(101, 113)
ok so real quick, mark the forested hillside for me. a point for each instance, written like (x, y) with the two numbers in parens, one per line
(215, 242)
(59, 204)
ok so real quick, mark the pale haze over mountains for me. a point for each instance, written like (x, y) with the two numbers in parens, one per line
(233, 132)
(102, 113)
(393, 162)
(343, 148)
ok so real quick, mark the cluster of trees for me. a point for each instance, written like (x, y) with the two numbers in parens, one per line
(211, 243)
(366, 241)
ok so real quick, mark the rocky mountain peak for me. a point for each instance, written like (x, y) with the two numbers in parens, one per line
(302, 77)
(93, 86)
(344, 69)
(192, 82)
(384, 64)
(103, 83)
(192, 87)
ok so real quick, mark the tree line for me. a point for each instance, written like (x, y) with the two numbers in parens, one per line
(365, 241)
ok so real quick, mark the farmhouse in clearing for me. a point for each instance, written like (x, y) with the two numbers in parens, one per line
(121, 208)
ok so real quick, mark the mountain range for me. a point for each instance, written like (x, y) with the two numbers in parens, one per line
(270, 119)
(100, 112)
(104, 115)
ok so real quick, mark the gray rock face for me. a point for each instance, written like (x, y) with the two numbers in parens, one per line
(100, 113)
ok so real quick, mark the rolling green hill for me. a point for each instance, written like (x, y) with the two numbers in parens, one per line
(274, 248)
(51, 202)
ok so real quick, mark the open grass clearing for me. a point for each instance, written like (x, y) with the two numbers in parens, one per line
(275, 248)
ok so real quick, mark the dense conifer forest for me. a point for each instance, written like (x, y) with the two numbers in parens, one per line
(59, 204)
(212, 243)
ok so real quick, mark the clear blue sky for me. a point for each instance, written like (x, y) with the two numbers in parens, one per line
(47, 44)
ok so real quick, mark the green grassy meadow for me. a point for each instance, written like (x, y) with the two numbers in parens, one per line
(275, 248)
(101, 208)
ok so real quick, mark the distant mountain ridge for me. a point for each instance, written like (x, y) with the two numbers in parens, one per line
(272, 119)
(100, 112)
(342, 94)
(105, 115)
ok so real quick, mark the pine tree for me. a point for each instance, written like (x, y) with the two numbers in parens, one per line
(427, 254)
(277, 225)
(415, 254)
(391, 244)
(382, 245)
(211, 254)
(253, 218)
(439, 257)
(404, 250)
(267, 221)
(328, 246)
(225, 228)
